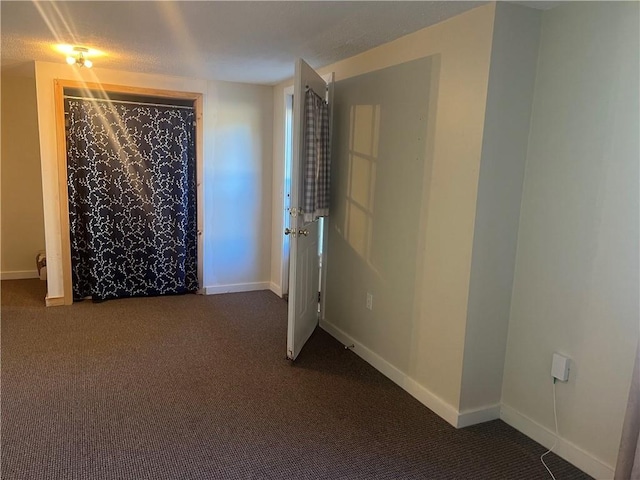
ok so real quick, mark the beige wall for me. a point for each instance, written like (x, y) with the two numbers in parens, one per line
(504, 149)
(430, 363)
(576, 278)
(22, 214)
(229, 172)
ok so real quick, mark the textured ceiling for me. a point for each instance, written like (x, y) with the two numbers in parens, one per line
(254, 42)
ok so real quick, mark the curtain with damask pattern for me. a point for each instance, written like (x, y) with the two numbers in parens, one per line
(132, 199)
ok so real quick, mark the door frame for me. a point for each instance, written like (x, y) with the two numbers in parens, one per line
(285, 247)
(61, 154)
(330, 79)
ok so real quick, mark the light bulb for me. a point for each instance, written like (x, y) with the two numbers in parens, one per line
(71, 60)
(88, 63)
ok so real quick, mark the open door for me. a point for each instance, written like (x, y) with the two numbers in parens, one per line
(304, 264)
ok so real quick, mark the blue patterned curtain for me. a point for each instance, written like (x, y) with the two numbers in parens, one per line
(317, 159)
(132, 199)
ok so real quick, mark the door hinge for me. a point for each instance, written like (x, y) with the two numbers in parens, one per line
(319, 297)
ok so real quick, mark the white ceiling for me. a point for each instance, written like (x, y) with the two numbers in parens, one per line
(242, 41)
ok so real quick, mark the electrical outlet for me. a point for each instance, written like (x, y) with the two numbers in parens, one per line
(369, 301)
(560, 367)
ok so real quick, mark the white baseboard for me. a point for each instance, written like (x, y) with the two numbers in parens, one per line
(237, 287)
(478, 415)
(415, 389)
(19, 275)
(565, 449)
(277, 289)
(434, 403)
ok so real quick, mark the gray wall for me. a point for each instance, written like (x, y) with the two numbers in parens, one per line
(380, 126)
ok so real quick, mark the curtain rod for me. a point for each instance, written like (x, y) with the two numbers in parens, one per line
(128, 102)
(307, 88)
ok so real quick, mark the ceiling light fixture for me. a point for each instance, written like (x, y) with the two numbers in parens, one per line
(78, 56)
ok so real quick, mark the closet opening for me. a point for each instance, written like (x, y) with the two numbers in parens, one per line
(130, 164)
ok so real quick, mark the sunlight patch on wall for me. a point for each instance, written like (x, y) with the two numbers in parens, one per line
(364, 130)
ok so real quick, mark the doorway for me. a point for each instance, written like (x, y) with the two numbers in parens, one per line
(286, 188)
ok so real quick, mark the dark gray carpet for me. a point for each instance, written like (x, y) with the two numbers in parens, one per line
(195, 387)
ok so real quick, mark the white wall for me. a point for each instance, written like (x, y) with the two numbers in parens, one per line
(242, 169)
(576, 281)
(430, 365)
(22, 214)
(514, 56)
(277, 189)
(238, 180)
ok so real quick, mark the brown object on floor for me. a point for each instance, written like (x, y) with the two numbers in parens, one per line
(197, 387)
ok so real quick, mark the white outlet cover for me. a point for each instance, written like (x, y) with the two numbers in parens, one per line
(560, 367)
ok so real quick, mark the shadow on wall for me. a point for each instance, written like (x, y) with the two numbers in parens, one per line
(380, 168)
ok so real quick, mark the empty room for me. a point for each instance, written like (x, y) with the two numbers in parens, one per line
(320, 240)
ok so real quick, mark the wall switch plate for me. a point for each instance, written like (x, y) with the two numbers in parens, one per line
(560, 367)
(369, 301)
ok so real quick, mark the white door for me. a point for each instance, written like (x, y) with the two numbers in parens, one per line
(303, 265)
